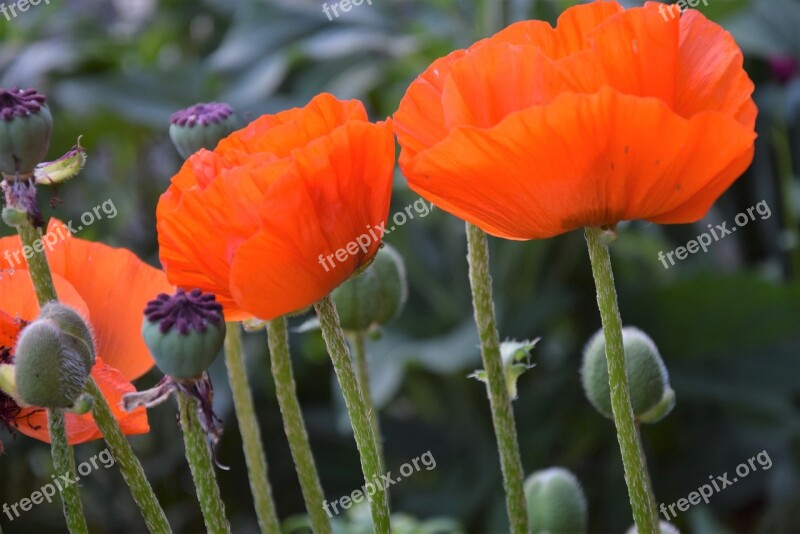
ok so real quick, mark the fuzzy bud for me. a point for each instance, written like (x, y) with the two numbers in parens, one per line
(25, 127)
(184, 332)
(48, 370)
(201, 126)
(374, 296)
(556, 503)
(652, 397)
(74, 328)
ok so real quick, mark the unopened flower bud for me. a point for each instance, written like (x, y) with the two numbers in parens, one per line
(516, 360)
(184, 332)
(556, 503)
(374, 296)
(25, 126)
(48, 370)
(201, 126)
(652, 397)
(75, 329)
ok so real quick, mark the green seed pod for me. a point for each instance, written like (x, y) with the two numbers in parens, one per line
(25, 126)
(651, 395)
(48, 371)
(184, 332)
(663, 528)
(374, 296)
(556, 503)
(75, 329)
(201, 126)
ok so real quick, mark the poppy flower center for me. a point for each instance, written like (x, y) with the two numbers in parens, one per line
(185, 311)
(19, 103)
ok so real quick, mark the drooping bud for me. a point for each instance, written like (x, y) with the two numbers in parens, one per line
(374, 296)
(184, 332)
(74, 328)
(663, 528)
(48, 370)
(556, 503)
(201, 126)
(25, 126)
(652, 397)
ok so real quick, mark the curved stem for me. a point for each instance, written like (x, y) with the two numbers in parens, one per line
(633, 460)
(64, 465)
(294, 427)
(361, 357)
(251, 434)
(359, 416)
(128, 464)
(201, 464)
(499, 401)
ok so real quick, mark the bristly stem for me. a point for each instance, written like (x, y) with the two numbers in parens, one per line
(63, 456)
(64, 465)
(128, 464)
(633, 460)
(359, 416)
(201, 463)
(360, 355)
(499, 401)
(293, 425)
(251, 434)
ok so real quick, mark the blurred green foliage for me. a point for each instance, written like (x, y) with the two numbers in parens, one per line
(727, 322)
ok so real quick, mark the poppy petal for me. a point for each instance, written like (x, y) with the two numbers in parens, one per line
(18, 299)
(302, 224)
(638, 152)
(80, 428)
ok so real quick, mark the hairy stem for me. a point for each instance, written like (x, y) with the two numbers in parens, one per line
(499, 401)
(293, 425)
(633, 460)
(360, 355)
(251, 434)
(359, 415)
(64, 464)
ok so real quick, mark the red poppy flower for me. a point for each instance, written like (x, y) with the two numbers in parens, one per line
(282, 211)
(109, 288)
(613, 115)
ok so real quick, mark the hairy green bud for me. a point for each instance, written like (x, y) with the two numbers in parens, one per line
(556, 503)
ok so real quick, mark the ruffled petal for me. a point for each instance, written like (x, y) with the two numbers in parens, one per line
(80, 428)
(637, 161)
(336, 191)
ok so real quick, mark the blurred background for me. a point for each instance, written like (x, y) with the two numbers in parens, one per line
(727, 322)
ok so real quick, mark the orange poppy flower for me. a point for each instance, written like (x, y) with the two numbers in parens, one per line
(282, 211)
(613, 115)
(109, 287)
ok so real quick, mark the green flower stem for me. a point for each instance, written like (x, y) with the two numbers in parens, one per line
(359, 415)
(633, 460)
(64, 464)
(128, 464)
(63, 456)
(294, 427)
(357, 339)
(201, 463)
(499, 401)
(248, 427)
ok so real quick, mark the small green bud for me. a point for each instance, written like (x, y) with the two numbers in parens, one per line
(663, 528)
(516, 360)
(25, 126)
(48, 371)
(652, 397)
(184, 332)
(201, 126)
(63, 169)
(72, 325)
(14, 216)
(374, 296)
(83, 404)
(556, 503)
